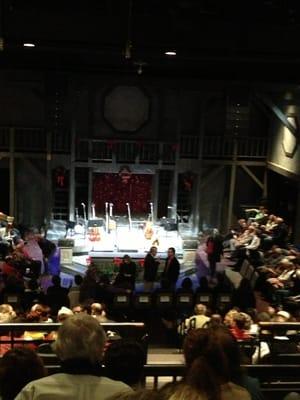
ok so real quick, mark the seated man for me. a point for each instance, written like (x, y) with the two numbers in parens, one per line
(79, 345)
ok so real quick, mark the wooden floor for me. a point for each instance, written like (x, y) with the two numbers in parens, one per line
(161, 355)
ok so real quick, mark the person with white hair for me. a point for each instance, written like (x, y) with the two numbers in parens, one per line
(79, 346)
(199, 319)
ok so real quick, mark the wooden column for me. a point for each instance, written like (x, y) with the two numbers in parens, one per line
(174, 193)
(90, 194)
(155, 193)
(72, 173)
(265, 188)
(49, 197)
(232, 184)
(173, 201)
(12, 181)
(196, 204)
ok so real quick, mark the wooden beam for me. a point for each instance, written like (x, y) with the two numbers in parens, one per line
(251, 174)
(72, 173)
(237, 162)
(278, 113)
(232, 186)
(12, 180)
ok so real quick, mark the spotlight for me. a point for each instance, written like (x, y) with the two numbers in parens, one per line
(140, 65)
(171, 53)
(28, 44)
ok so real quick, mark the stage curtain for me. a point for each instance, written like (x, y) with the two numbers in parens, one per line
(112, 189)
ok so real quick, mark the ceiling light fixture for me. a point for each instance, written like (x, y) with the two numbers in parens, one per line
(170, 53)
(28, 44)
(140, 66)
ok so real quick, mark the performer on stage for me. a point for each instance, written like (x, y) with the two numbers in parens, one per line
(214, 250)
(171, 270)
(127, 271)
(151, 264)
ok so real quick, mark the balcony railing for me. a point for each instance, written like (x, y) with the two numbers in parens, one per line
(130, 151)
(33, 140)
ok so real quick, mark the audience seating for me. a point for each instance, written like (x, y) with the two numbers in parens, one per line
(184, 301)
(276, 380)
(142, 301)
(121, 301)
(223, 301)
(164, 300)
(204, 298)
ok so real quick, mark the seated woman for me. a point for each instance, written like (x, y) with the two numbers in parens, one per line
(213, 365)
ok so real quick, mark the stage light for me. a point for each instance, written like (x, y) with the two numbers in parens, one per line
(28, 44)
(171, 53)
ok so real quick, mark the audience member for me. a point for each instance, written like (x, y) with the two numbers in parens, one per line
(79, 346)
(124, 360)
(18, 367)
(57, 296)
(213, 365)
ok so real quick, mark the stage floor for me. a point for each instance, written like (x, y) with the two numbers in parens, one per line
(123, 240)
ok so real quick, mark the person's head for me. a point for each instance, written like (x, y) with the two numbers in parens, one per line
(78, 280)
(77, 309)
(241, 321)
(18, 367)
(80, 337)
(56, 280)
(187, 284)
(124, 361)
(98, 310)
(63, 314)
(180, 391)
(212, 358)
(142, 394)
(215, 320)
(42, 311)
(30, 234)
(229, 317)
(153, 251)
(126, 259)
(200, 309)
(7, 313)
(284, 316)
(171, 252)
(203, 282)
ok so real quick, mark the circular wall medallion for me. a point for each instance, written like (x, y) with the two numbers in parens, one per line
(126, 108)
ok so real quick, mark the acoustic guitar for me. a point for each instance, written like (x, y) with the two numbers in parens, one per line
(94, 231)
(112, 225)
(148, 231)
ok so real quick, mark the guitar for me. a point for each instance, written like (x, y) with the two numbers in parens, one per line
(94, 231)
(93, 211)
(129, 216)
(112, 225)
(148, 231)
(106, 217)
(79, 227)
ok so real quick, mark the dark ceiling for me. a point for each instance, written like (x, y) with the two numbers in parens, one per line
(231, 39)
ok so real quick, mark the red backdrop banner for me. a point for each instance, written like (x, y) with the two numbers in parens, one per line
(111, 188)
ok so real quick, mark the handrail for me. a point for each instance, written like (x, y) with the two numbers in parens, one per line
(50, 326)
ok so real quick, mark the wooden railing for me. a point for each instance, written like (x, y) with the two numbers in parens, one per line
(130, 151)
(33, 140)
